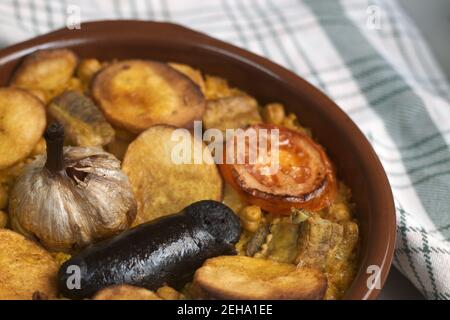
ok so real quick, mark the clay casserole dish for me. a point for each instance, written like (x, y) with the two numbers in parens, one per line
(356, 162)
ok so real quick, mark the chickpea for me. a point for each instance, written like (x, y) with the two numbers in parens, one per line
(252, 213)
(216, 87)
(340, 212)
(87, 68)
(250, 226)
(251, 217)
(351, 230)
(168, 293)
(291, 122)
(274, 113)
(75, 84)
(3, 219)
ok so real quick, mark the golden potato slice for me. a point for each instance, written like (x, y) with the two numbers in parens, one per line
(125, 292)
(168, 293)
(137, 94)
(160, 185)
(231, 113)
(240, 277)
(193, 74)
(22, 123)
(25, 268)
(46, 70)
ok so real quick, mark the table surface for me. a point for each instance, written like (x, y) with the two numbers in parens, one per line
(398, 287)
(433, 19)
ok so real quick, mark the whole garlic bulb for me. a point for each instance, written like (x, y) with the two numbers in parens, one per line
(72, 197)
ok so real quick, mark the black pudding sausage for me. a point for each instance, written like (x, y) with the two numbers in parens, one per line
(167, 250)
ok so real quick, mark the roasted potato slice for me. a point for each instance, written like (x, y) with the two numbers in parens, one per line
(240, 277)
(161, 185)
(22, 123)
(231, 113)
(168, 293)
(125, 292)
(83, 122)
(46, 70)
(137, 94)
(193, 74)
(25, 268)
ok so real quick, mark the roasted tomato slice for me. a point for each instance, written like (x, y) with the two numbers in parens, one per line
(296, 174)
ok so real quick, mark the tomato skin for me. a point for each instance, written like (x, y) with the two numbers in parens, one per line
(283, 204)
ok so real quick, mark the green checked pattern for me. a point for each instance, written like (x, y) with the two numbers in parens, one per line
(366, 55)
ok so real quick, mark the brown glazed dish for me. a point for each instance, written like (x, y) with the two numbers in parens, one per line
(356, 162)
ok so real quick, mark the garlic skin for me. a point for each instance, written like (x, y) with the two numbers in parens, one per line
(89, 199)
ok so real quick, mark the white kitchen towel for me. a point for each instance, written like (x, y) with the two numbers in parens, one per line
(366, 55)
